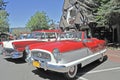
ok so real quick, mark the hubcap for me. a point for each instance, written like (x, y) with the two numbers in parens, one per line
(72, 71)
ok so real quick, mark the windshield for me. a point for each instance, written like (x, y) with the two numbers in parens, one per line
(43, 35)
(34, 35)
(49, 35)
(70, 36)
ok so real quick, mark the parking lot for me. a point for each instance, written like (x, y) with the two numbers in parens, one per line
(19, 70)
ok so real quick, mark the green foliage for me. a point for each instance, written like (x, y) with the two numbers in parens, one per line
(4, 25)
(2, 4)
(38, 21)
(106, 11)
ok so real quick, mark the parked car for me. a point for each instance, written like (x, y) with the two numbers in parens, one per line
(16, 48)
(6, 36)
(64, 55)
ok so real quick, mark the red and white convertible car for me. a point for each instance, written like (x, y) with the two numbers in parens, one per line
(16, 48)
(64, 55)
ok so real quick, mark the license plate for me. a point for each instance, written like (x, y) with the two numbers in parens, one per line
(36, 64)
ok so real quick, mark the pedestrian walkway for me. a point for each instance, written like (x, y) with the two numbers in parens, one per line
(113, 55)
(113, 51)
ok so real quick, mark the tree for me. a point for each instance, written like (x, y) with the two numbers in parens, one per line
(38, 21)
(109, 14)
(105, 9)
(4, 25)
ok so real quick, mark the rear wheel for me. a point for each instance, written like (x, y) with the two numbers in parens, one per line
(72, 72)
(101, 59)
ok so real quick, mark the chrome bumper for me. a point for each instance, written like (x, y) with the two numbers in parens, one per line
(13, 55)
(50, 66)
(1, 51)
(56, 67)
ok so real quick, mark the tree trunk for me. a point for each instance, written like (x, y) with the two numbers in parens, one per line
(113, 35)
(118, 32)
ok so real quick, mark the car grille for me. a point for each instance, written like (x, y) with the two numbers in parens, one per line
(41, 55)
(8, 50)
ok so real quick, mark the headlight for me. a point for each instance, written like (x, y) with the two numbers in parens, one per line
(57, 55)
(27, 49)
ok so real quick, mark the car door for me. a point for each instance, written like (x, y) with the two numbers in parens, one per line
(91, 44)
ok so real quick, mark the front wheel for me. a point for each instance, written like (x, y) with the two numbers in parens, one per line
(72, 72)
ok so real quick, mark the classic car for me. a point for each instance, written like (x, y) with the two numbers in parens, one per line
(16, 48)
(5, 36)
(64, 55)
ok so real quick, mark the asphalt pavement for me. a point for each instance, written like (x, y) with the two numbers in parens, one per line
(16, 69)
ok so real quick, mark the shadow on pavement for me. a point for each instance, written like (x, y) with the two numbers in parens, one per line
(49, 74)
(91, 66)
(16, 61)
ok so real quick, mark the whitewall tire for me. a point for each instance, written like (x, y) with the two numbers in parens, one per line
(72, 72)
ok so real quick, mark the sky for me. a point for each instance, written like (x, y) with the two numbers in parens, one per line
(20, 11)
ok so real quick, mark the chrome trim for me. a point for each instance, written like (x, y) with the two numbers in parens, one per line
(16, 55)
(8, 50)
(11, 53)
(41, 55)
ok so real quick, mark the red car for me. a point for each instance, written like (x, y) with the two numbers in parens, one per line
(16, 48)
(64, 55)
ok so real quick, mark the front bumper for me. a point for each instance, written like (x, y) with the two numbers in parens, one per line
(13, 54)
(49, 65)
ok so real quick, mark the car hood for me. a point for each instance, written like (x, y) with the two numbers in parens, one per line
(63, 46)
(8, 44)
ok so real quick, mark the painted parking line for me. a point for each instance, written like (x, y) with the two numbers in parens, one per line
(103, 70)
(81, 78)
(97, 71)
